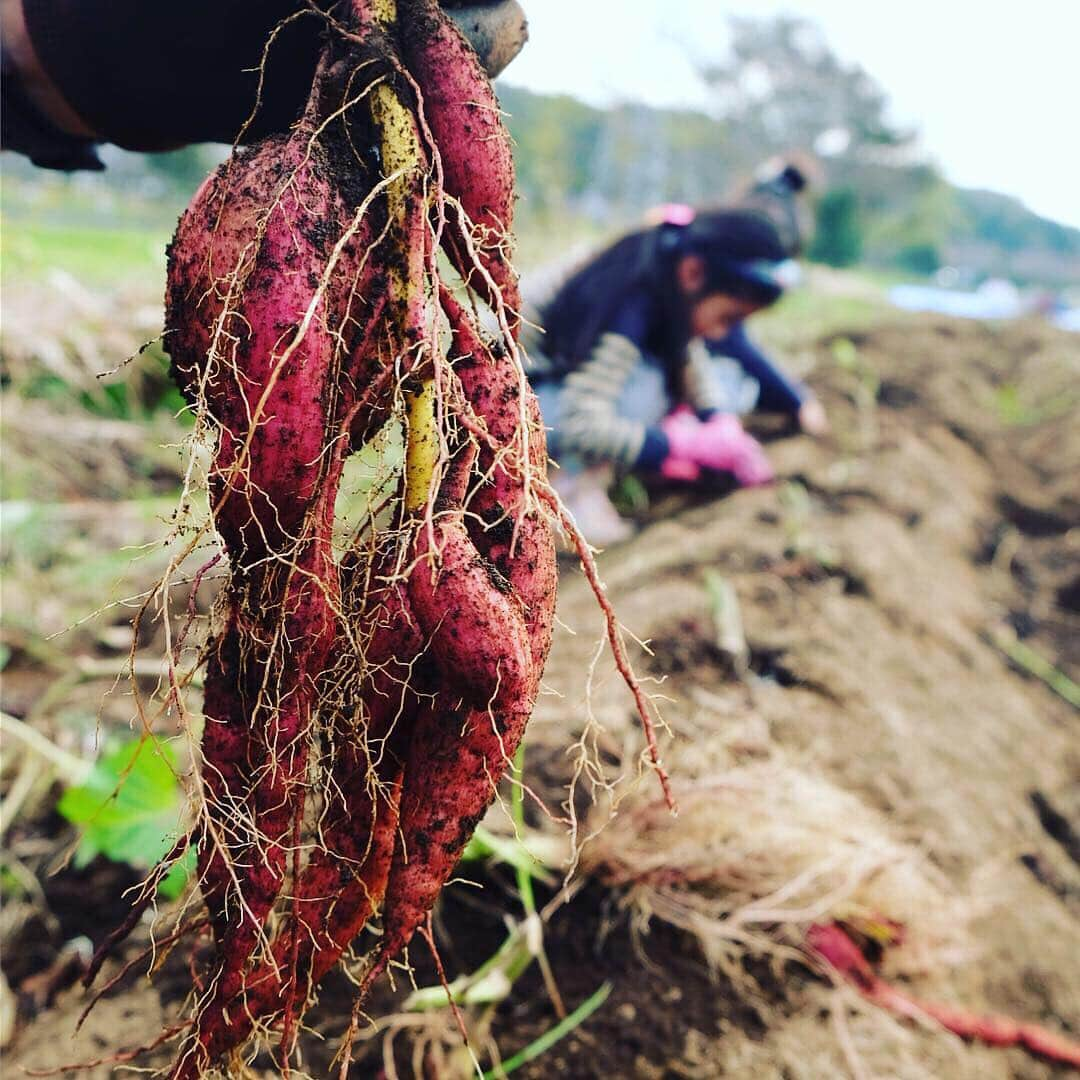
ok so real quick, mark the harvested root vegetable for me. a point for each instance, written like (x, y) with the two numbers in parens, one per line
(361, 705)
(461, 107)
(832, 944)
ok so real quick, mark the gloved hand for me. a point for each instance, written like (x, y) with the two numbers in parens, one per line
(205, 78)
(496, 29)
(725, 444)
(720, 443)
(682, 428)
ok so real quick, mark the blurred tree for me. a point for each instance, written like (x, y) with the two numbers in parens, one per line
(911, 214)
(611, 164)
(838, 235)
(556, 139)
(782, 89)
(919, 258)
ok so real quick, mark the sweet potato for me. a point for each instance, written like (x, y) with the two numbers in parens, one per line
(474, 148)
(342, 884)
(509, 529)
(832, 944)
(265, 316)
(359, 713)
(480, 646)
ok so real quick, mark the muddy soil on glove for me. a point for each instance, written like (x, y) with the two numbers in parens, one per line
(940, 517)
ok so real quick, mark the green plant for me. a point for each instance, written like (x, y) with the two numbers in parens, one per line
(1015, 409)
(799, 539)
(866, 385)
(130, 808)
(553, 1035)
(630, 495)
(493, 980)
(847, 356)
(1032, 662)
(838, 235)
(727, 619)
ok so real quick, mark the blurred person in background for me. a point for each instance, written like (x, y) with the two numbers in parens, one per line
(155, 77)
(776, 191)
(643, 363)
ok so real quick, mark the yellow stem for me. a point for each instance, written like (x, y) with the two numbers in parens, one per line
(421, 447)
(402, 154)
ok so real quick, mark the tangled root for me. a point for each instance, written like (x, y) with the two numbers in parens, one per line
(365, 689)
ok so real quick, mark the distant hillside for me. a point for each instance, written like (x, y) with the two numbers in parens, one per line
(585, 171)
(609, 165)
(999, 233)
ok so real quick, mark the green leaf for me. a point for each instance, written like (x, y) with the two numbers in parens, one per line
(129, 809)
(172, 884)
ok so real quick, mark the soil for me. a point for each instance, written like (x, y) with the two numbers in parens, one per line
(876, 585)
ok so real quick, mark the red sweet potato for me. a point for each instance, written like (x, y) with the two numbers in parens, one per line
(512, 533)
(480, 646)
(343, 882)
(831, 943)
(264, 317)
(474, 146)
(302, 299)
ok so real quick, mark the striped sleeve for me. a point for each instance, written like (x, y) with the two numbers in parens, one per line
(591, 425)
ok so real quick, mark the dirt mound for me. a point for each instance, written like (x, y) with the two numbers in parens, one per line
(876, 592)
(874, 752)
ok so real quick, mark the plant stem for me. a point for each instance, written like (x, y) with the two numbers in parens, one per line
(71, 769)
(551, 1036)
(517, 813)
(1024, 656)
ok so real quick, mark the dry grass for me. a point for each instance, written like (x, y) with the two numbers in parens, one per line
(762, 851)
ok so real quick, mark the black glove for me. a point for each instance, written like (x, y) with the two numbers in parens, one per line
(148, 75)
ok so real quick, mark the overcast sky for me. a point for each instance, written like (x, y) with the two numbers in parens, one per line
(993, 87)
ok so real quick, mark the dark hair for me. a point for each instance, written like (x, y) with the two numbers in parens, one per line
(775, 196)
(732, 244)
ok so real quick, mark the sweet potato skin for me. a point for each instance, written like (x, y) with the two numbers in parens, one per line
(253, 320)
(512, 532)
(302, 302)
(480, 646)
(474, 147)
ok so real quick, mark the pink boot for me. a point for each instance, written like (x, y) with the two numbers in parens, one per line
(584, 494)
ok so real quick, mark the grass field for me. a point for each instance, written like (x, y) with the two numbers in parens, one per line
(94, 255)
